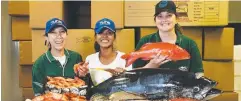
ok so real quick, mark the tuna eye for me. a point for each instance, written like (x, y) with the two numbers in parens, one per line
(196, 89)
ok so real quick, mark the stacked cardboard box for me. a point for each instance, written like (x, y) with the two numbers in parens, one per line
(41, 11)
(219, 64)
(18, 8)
(237, 70)
(27, 93)
(25, 76)
(25, 51)
(222, 72)
(219, 43)
(20, 28)
(113, 10)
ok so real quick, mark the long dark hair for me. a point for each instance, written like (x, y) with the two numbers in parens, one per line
(178, 28)
(97, 47)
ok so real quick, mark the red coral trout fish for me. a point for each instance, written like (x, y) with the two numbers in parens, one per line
(149, 50)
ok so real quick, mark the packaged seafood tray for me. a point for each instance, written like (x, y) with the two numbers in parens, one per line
(50, 96)
(66, 86)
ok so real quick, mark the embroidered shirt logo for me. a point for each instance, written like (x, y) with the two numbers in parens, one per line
(183, 68)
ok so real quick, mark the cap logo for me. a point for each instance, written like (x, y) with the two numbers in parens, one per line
(56, 22)
(104, 23)
(163, 4)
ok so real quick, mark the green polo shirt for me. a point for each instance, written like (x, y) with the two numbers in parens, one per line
(47, 65)
(194, 64)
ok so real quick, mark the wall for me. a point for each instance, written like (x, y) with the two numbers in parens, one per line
(10, 78)
(234, 13)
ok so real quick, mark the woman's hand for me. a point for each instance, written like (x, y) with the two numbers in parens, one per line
(81, 69)
(157, 61)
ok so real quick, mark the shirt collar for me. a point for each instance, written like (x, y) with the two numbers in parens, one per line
(51, 58)
(178, 41)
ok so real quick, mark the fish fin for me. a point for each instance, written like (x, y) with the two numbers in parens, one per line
(145, 59)
(130, 60)
(126, 56)
(144, 46)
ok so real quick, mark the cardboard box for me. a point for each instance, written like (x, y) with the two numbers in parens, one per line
(79, 40)
(191, 13)
(226, 96)
(147, 31)
(237, 53)
(42, 11)
(222, 72)
(237, 68)
(25, 76)
(237, 83)
(38, 47)
(25, 51)
(125, 40)
(218, 43)
(239, 95)
(28, 93)
(139, 13)
(113, 10)
(21, 29)
(193, 33)
(18, 8)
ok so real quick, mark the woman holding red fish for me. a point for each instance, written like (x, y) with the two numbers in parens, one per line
(171, 41)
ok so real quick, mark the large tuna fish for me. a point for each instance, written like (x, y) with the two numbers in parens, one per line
(150, 50)
(155, 84)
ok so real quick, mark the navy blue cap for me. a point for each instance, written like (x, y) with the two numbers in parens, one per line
(52, 23)
(104, 23)
(165, 5)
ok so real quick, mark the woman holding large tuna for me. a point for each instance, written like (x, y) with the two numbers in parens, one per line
(168, 35)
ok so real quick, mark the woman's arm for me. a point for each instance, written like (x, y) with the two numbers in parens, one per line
(38, 79)
(196, 65)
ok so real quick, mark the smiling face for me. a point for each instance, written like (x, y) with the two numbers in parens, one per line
(165, 21)
(105, 39)
(57, 38)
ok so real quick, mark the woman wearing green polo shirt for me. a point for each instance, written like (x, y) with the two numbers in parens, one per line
(57, 61)
(168, 31)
